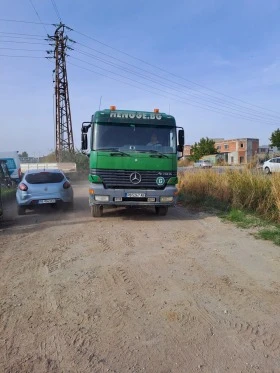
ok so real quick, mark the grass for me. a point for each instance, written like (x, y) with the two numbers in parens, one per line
(184, 162)
(271, 234)
(243, 219)
(249, 199)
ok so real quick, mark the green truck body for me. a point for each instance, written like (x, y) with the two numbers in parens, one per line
(126, 168)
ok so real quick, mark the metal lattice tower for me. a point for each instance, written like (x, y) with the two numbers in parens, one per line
(63, 122)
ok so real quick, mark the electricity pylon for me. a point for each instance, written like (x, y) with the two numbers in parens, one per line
(63, 123)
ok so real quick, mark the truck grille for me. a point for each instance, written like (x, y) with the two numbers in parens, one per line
(120, 179)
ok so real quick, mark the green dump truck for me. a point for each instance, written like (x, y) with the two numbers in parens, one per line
(132, 159)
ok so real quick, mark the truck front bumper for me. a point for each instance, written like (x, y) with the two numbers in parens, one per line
(98, 195)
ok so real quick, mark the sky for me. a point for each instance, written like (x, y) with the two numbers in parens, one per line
(213, 64)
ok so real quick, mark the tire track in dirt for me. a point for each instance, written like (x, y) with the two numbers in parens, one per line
(104, 242)
(127, 314)
(259, 294)
(257, 336)
(63, 244)
(141, 306)
(79, 339)
(128, 239)
(195, 311)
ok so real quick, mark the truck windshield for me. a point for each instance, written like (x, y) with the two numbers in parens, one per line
(125, 137)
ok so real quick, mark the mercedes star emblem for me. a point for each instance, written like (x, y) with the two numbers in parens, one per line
(135, 178)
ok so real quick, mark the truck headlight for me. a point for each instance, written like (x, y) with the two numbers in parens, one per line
(101, 198)
(166, 199)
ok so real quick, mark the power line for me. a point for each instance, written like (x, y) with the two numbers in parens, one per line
(31, 2)
(7, 55)
(144, 77)
(212, 98)
(175, 75)
(159, 94)
(21, 37)
(209, 98)
(182, 99)
(117, 80)
(257, 116)
(19, 21)
(254, 113)
(56, 10)
(212, 101)
(25, 50)
(21, 34)
(20, 42)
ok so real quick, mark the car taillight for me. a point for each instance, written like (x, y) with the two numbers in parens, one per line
(66, 185)
(23, 187)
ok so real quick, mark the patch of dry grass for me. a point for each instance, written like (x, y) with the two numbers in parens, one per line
(184, 162)
(237, 189)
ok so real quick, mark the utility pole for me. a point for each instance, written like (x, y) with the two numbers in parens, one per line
(63, 123)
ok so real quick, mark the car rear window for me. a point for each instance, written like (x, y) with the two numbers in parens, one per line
(44, 177)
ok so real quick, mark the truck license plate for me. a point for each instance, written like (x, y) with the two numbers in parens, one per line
(135, 195)
(41, 201)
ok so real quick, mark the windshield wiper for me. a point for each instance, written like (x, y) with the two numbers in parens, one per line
(115, 151)
(156, 153)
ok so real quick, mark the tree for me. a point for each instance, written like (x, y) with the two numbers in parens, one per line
(24, 154)
(204, 147)
(275, 139)
(81, 160)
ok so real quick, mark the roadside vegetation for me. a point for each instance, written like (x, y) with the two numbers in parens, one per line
(78, 157)
(245, 198)
(205, 146)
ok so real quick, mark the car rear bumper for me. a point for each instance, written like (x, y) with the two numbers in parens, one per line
(27, 200)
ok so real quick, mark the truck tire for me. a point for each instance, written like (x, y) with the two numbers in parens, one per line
(21, 210)
(96, 211)
(161, 210)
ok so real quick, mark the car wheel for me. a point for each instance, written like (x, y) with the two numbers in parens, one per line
(21, 210)
(267, 170)
(161, 210)
(96, 211)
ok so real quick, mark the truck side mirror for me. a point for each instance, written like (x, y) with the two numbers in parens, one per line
(181, 137)
(181, 142)
(84, 141)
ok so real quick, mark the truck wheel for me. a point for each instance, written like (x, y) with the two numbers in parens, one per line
(96, 211)
(161, 210)
(21, 210)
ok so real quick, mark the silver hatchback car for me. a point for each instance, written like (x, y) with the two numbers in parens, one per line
(44, 187)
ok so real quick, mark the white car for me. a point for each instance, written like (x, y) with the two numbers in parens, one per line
(203, 164)
(272, 165)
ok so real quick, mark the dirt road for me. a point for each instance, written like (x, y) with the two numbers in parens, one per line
(134, 292)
